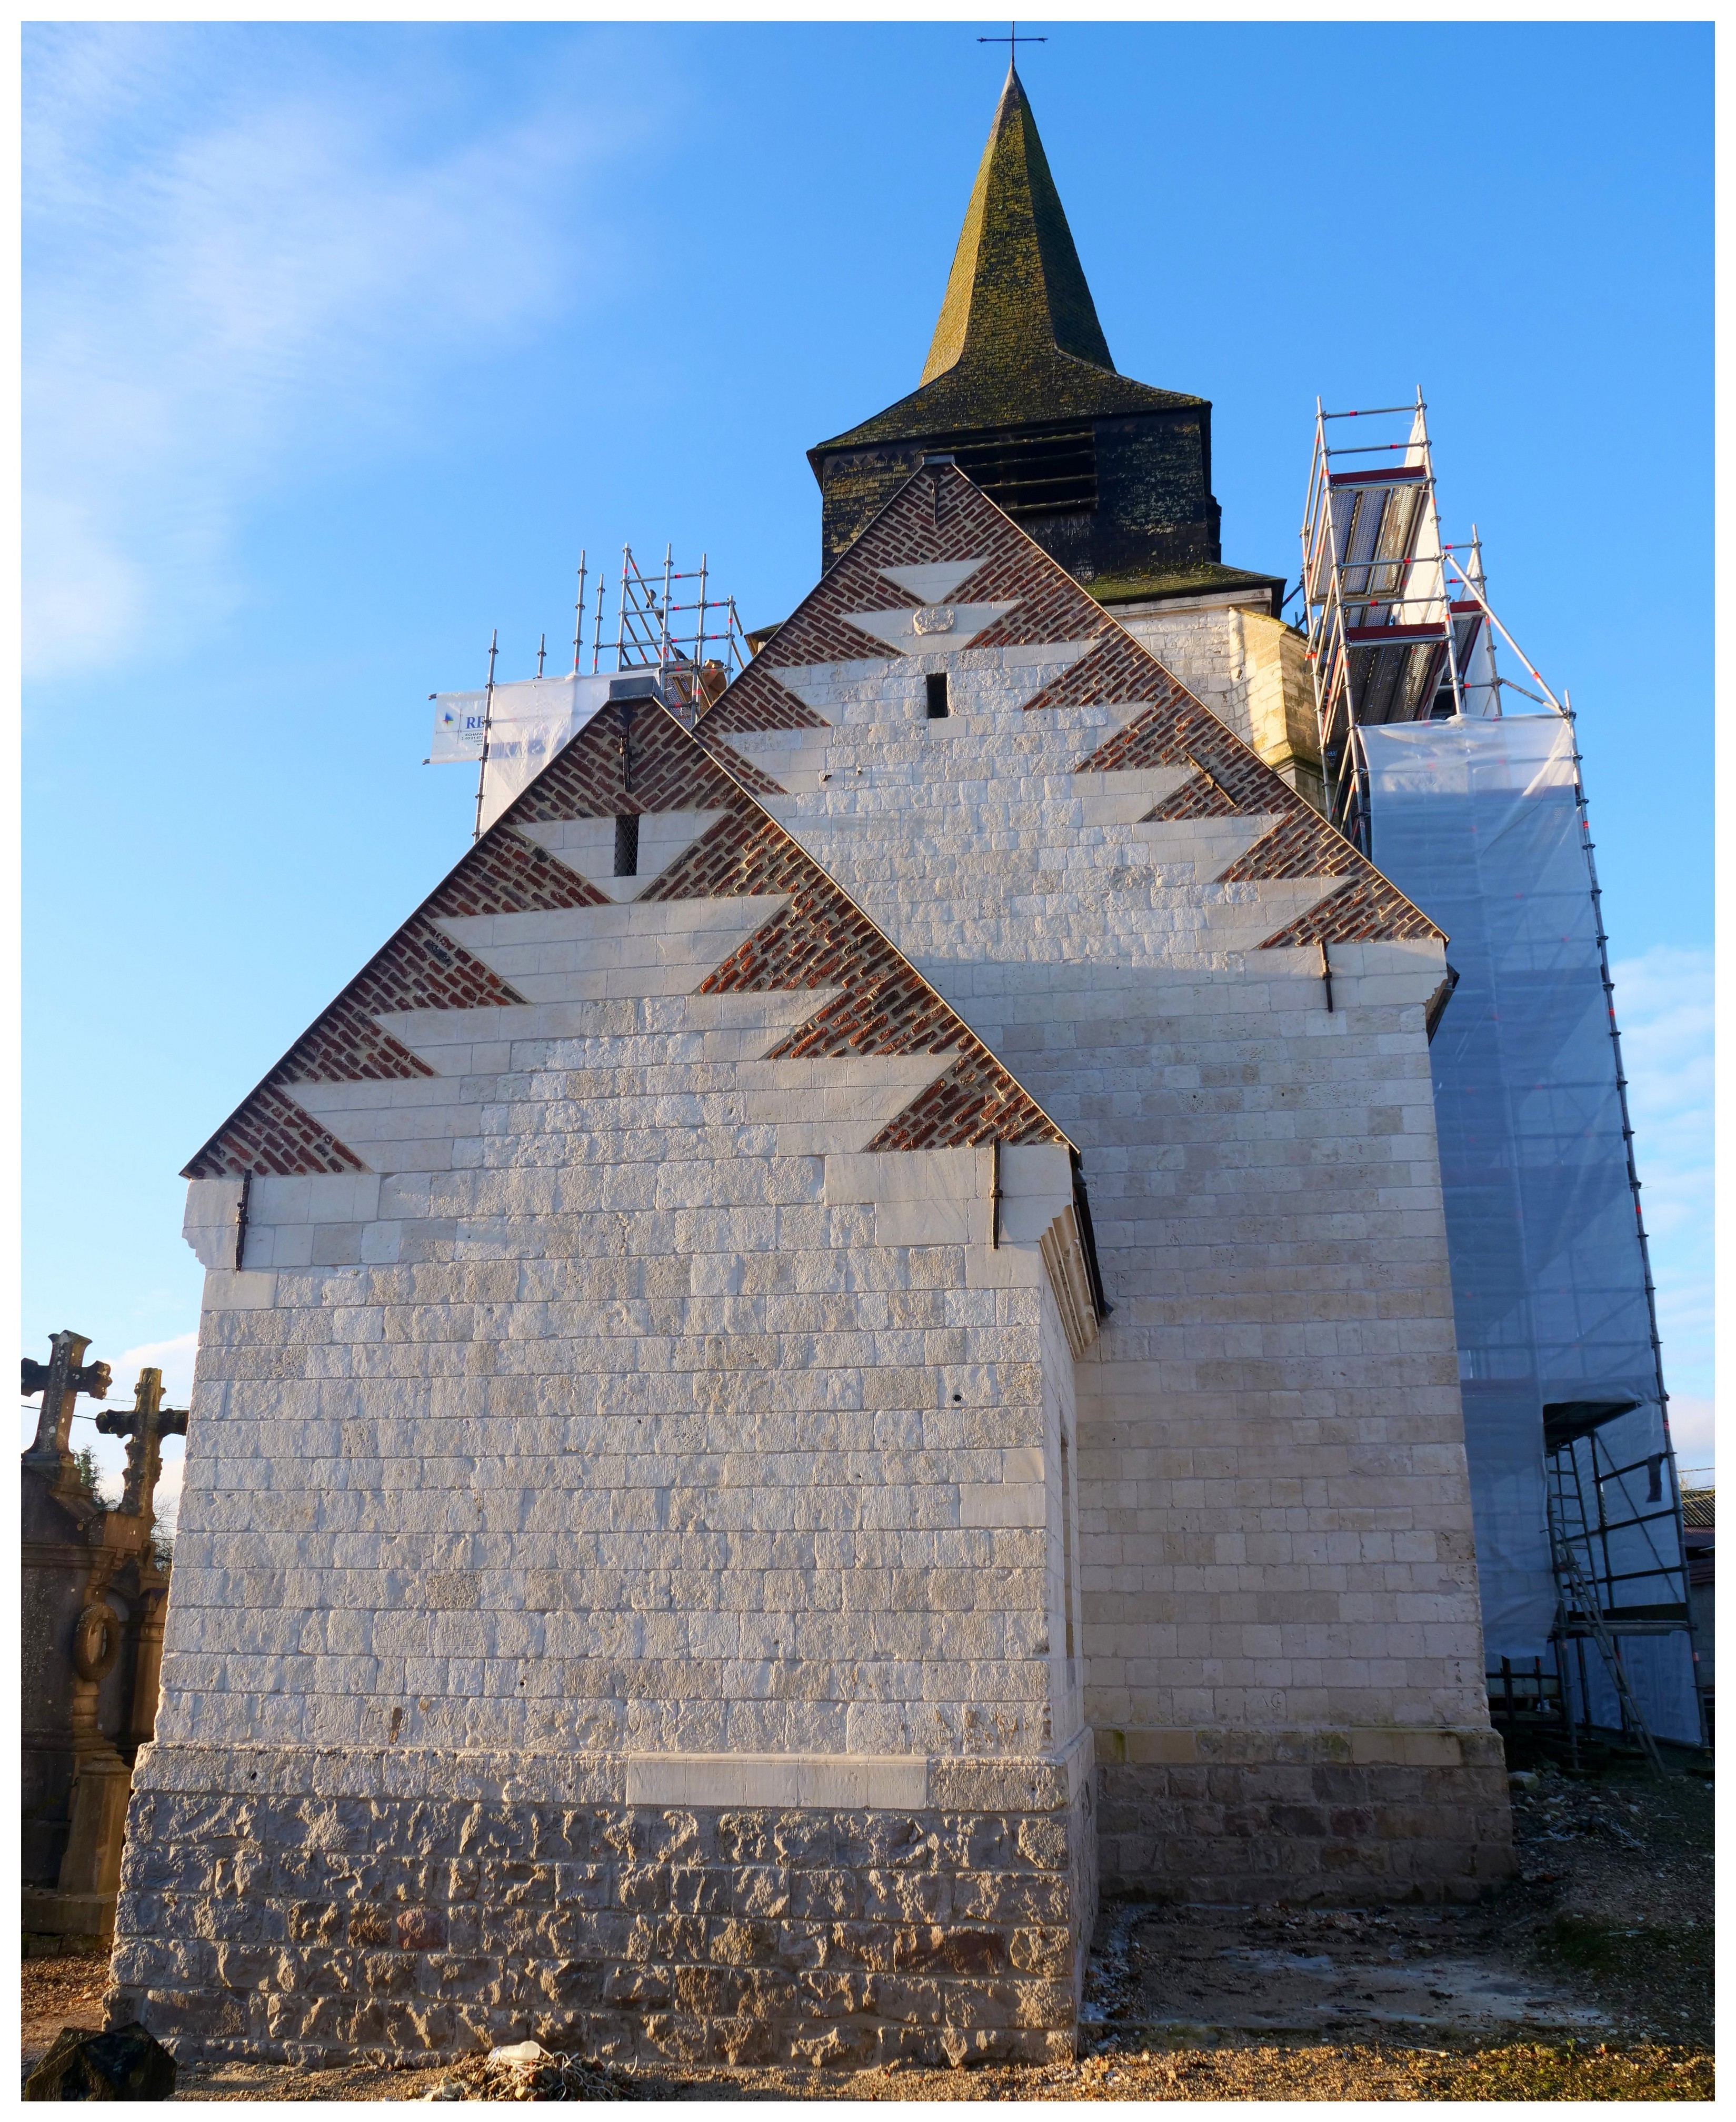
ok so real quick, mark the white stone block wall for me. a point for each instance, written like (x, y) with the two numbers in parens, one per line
(1206, 649)
(1275, 1526)
(617, 1436)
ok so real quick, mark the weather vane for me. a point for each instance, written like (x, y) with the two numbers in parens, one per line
(1014, 39)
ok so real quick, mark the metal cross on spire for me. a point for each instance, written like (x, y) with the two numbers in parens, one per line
(1014, 40)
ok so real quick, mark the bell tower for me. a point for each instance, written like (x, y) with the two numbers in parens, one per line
(1112, 478)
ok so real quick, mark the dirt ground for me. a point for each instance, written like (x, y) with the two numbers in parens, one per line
(1587, 1978)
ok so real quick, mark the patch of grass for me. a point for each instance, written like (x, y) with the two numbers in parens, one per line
(1658, 1976)
(1580, 1942)
(1573, 2072)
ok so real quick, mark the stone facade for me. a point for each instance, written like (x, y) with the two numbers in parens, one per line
(1276, 1525)
(1250, 669)
(1369, 1813)
(684, 1481)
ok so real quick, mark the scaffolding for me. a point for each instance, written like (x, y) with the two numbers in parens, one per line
(683, 652)
(695, 643)
(1479, 813)
(1620, 1563)
(1388, 641)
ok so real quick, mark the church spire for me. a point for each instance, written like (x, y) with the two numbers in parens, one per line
(1017, 293)
(1111, 477)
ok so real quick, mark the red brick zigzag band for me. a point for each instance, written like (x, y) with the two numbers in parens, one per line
(820, 940)
(1368, 909)
(1230, 780)
(757, 701)
(939, 516)
(421, 968)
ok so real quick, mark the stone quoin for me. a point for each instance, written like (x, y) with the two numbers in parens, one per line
(760, 1425)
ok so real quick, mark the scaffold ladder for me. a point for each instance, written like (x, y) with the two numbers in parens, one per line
(1579, 1607)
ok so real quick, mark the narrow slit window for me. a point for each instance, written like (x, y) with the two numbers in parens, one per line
(626, 846)
(938, 703)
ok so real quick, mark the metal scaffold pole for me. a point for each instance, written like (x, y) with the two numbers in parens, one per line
(488, 717)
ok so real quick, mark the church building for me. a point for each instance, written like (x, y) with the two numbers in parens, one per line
(793, 1389)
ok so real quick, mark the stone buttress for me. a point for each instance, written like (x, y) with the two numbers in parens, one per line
(626, 1594)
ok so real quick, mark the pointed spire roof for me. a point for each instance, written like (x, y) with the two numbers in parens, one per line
(1016, 286)
(1018, 337)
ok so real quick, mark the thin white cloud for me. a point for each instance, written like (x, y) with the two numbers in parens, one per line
(242, 263)
(173, 1358)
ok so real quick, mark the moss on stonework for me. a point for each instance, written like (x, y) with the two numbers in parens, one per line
(1196, 581)
(1018, 337)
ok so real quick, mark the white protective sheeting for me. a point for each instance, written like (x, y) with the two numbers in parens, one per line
(458, 721)
(528, 721)
(1477, 821)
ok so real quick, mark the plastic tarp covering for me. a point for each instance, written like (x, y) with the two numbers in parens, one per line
(1475, 820)
(528, 721)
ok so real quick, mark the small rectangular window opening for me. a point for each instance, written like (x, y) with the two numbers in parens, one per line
(626, 846)
(937, 707)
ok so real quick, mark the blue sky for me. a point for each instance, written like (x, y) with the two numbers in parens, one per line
(341, 341)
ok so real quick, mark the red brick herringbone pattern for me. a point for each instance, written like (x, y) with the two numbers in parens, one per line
(421, 968)
(662, 769)
(1175, 731)
(1048, 604)
(1227, 776)
(271, 1133)
(735, 858)
(1368, 909)
(1117, 673)
(922, 524)
(907, 532)
(818, 633)
(976, 1101)
(345, 1045)
(1302, 844)
(757, 701)
(1201, 797)
(505, 873)
(820, 939)
(943, 516)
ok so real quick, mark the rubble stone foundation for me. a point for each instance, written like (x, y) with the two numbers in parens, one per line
(305, 1906)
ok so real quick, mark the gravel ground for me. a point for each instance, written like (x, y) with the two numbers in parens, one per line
(1589, 1978)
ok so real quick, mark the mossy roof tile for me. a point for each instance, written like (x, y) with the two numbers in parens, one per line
(1018, 337)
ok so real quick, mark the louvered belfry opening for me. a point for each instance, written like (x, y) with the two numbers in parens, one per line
(1030, 472)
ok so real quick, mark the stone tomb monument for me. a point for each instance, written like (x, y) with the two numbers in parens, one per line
(94, 1596)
